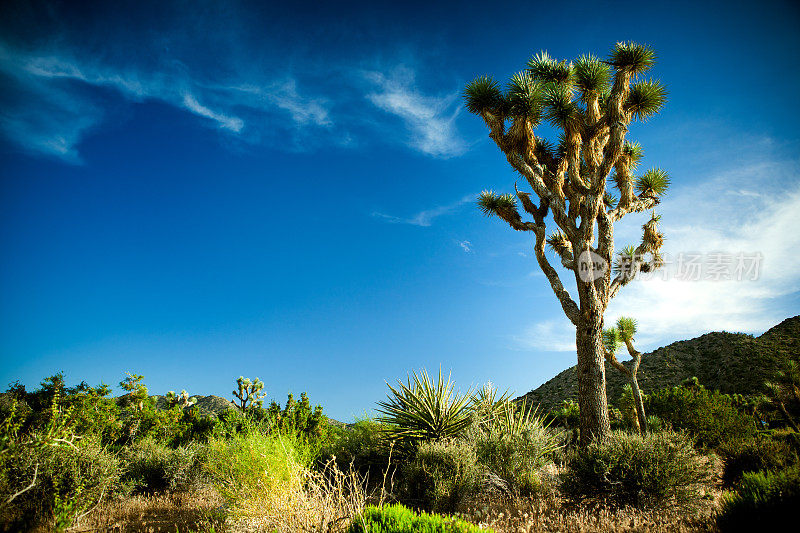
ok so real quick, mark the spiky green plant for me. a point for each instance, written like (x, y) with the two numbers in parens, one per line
(425, 409)
(483, 95)
(645, 99)
(653, 182)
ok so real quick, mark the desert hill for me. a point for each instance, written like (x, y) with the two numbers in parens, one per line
(729, 362)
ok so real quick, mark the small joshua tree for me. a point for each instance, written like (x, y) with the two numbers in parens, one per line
(613, 338)
(137, 391)
(592, 102)
(182, 400)
(249, 393)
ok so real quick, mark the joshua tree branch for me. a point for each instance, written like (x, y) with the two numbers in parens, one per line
(567, 303)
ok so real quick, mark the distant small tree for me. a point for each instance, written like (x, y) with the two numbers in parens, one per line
(182, 400)
(137, 391)
(249, 393)
(613, 338)
(592, 102)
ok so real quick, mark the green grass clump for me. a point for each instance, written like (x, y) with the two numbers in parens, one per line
(399, 519)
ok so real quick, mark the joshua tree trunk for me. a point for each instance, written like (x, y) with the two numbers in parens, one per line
(637, 400)
(594, 422)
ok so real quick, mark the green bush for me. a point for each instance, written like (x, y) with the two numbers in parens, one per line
(149, 466)
(659, 469)
(710, 417)
(364, 445)
(442, 475)
(753, 455)
(255, 472)
(399, 519)
(516, 457)
(764, 501)
(69, 480)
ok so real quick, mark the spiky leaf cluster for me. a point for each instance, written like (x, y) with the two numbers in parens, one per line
(626, 326)
(560, 110)
(542, 67)
(633, 152)
(492, 204)
(483, 94)
(645, 99)
(625, 260)
(632, 57)
(609, 200)
(525, 97)
(424, 409)
(611, 340)
(653, 182)
(559, 243)
(591, 75)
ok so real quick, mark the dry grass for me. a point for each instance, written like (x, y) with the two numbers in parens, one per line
(327, 502)
(180, 511)
(554, 514)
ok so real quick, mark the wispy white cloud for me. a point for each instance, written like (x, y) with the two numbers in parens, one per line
(466, 246)
(425, 217)
(429, 119)
(229, 123)
(57, 83)
(751, 209)
(550, 336)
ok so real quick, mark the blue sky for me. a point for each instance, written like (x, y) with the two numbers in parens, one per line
(199, 190)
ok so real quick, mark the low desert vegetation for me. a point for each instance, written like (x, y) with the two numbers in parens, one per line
(437, 459)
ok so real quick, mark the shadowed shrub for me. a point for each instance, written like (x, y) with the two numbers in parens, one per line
(659, 469)
(442, 475)
(764, 501)
(753, 455)
(150, 466)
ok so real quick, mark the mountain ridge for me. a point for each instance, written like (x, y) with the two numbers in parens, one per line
(728, 362)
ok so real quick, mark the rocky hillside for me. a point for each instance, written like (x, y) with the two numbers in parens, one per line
(730, 362)
(211, 405)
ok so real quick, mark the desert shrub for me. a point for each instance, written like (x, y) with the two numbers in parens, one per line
(257, 473)
(364, 445)
(149, 466)
(399, 519)
(657, 469)
(65, 482)
(710, 417)
(442, 475)
(764, 501)
(753, 455)
(515, 449)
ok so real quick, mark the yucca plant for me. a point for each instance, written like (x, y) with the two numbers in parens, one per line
(423, 409)
(591, 102)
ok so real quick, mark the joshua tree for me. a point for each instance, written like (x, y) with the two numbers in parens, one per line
(182, 400)
(612, 339)
(248, 393)
(591, 102)
(137, 391)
